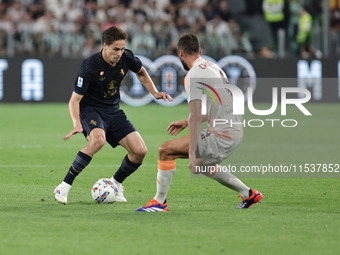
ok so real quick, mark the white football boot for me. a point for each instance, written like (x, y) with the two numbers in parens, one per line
(61, 192)
(120, 196)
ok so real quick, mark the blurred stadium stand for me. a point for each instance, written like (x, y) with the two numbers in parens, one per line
(72, 28)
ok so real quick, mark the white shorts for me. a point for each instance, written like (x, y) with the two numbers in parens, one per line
(213, 150)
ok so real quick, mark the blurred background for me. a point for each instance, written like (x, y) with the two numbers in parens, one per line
(43, 42)
(251, 28)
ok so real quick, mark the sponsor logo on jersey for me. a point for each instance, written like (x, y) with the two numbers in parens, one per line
(122, 72)
(111, 89)
(80, 82)
(101, 78)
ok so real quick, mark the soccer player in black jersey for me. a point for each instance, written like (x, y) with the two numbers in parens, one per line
(94, 110)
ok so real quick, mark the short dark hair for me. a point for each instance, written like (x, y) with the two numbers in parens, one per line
(189, 44)
(113, 34)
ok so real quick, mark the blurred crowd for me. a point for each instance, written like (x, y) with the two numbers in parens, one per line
(73, 28)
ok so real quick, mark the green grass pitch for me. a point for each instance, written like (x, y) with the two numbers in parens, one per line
(296, 216)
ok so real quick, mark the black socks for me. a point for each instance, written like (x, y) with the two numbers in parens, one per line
(126, 168)
(79, 163)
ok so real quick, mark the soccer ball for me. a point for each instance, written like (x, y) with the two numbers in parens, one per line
(104, 191)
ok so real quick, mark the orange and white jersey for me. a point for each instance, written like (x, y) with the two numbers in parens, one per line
(206, 81)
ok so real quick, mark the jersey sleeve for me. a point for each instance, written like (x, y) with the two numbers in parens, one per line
(193, 88)
(82, 82)
(134, 63)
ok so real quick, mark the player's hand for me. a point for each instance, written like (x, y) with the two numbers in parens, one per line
(76, 130)
(160, 95)
(177, 126)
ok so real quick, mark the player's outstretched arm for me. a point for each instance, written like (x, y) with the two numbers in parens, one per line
(73, 108)
(145, 79)
(177, 126)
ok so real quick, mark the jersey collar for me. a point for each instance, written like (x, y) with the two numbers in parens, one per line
(107, 64)
(197, 59)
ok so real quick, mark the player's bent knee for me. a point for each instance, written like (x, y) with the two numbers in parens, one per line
(98, 142)
(144, 151)
(138, 155)
(164, 150)
(140, 152)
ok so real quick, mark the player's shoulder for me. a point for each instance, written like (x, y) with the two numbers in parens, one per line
(128, 53)
(197, 69)
(206, 67)
(92, 62)
(193, 74)
(131, 61)
(205, 64)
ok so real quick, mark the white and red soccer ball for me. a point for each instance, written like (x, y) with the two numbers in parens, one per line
(104, 191)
